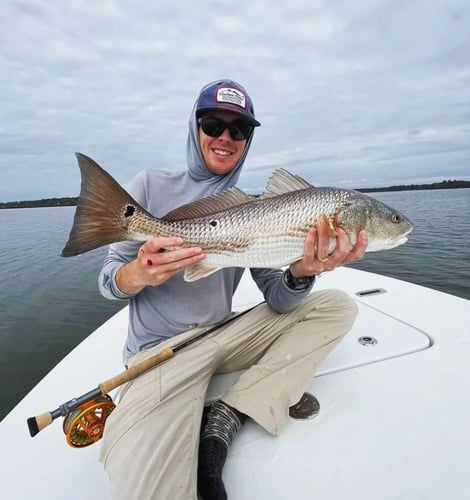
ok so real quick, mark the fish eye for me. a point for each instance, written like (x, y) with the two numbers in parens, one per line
(396, 218)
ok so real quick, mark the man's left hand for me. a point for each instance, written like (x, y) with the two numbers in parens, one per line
(316, 259)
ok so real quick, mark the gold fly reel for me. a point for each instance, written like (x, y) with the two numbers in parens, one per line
(85, 425)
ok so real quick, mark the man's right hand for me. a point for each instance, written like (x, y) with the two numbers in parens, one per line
(155, 264)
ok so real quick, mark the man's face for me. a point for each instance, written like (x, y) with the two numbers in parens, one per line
(222, 153)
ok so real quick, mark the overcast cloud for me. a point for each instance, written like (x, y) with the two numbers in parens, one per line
(349, 93)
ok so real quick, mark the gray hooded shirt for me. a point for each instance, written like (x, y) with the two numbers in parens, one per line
(160, 312)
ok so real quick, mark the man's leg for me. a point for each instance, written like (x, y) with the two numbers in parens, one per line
(150, 445)
(282, 353)
(282, 373)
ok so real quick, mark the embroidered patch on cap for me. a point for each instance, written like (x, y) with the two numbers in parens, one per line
(231, 96)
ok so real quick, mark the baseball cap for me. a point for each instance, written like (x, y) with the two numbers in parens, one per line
(227, 95)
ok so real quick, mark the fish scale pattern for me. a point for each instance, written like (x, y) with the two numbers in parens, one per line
(265, 232)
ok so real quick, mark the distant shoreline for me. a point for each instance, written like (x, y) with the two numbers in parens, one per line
(72, 201)
(46, 202)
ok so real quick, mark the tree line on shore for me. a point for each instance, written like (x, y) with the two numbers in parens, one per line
(45, 202)
(448, 184)
(72, 201)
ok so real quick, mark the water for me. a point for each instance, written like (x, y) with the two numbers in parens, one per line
(437, 254)
(49, 304)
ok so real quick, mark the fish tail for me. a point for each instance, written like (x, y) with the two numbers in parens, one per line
(102, 212)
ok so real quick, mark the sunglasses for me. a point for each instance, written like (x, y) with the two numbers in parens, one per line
(239, 130)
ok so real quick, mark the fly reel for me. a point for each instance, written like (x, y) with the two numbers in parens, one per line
(85, 425)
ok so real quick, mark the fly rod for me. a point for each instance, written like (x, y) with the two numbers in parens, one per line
(85, 415)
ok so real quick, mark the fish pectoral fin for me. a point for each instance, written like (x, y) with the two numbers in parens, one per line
(198, 271)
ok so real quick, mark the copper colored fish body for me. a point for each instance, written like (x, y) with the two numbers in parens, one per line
(233, 228)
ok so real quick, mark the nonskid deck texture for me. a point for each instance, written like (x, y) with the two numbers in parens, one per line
(393, 421)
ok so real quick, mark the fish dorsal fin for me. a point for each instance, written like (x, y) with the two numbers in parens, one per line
(282, 182)
(207, 206)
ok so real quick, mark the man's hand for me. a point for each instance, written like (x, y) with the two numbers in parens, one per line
(154, 265)
(316, 259)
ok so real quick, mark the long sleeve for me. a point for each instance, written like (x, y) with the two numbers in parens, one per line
(277, 294)
(118, 255)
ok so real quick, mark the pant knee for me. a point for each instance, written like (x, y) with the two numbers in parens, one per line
(336, 305)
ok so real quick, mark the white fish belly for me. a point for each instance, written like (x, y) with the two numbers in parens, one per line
(270, 253)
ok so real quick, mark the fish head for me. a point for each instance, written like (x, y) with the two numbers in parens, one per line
(385, 227)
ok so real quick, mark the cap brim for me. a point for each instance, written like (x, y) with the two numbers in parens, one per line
(246, 116)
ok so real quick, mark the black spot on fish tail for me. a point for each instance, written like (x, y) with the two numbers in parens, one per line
(130, 211)
(103, 209)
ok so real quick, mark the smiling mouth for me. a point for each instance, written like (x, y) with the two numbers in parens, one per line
(221, 152)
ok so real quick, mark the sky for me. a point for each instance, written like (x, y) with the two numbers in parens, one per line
(353, 94)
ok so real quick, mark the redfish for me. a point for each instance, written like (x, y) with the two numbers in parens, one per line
(233, 228)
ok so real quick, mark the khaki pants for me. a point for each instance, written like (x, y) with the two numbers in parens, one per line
(151, 440)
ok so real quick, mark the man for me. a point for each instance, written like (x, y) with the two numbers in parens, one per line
(152, 447)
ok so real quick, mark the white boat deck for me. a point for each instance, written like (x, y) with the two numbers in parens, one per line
(393, 422)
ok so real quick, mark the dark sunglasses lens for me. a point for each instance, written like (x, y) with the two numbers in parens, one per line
(214, 127)
(239, 130)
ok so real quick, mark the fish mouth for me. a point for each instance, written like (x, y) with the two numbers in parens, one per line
(395, 243)
(403, 238)
(386, 244)
(400, 241)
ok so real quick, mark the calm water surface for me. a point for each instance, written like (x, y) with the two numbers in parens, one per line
(49, 304)
(437, 253)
